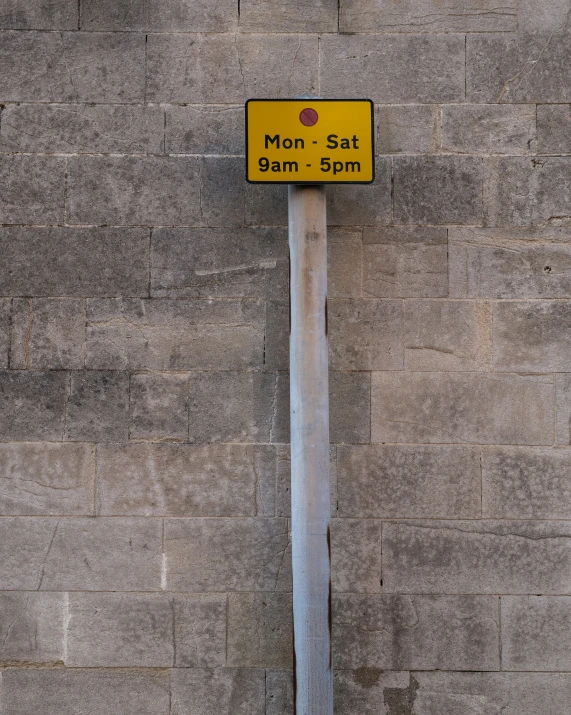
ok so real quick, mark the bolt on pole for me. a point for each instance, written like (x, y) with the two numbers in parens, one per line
(310, 491)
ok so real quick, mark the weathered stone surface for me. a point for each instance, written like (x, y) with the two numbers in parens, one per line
(490, 693)
(158, 404)
(520, 191)
(47, 479)
(477, 557)
(98, 555)
(510, 262)
(276, 354)
(405, 262)
(393, 632)
(355, 205)
(38, 15)
(98, 406)
(401, 481)
(48, 333)
(228, 69)
(349, 407)
(344, 263)
(554, 129)
(24, 545)
(427, 16)
(440, 189)
(447, 335)
(523, 483)
(279, 692)
(462, 407)
(392, 69)
(72, 67)
(31, 627)
(228, 691)
(89, 692)
(174, 334)
(5, 318)
(159, 15)
(200, 630)
(82, 128)
(131, 191)
(227, 555)
(356, 555)
(365, 334)
(536, 633)
(407, 129)
(32, 405)
(32, 189)
(120, 630)
(222, 191)
(488, 129)
(218, 262)
(563, 408)
(267, 205)
(532, 336)
(176, 480)
(549, 16)
(518, 68)
(260, 630)
(207, 129)
(370, 691)
(280, 16)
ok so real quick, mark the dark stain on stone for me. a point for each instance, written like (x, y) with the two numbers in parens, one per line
(400, 701)
(367, 677)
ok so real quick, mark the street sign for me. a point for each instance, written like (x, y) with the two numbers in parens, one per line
(310, 141)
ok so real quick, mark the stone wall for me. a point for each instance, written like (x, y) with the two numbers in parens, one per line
(144, 551)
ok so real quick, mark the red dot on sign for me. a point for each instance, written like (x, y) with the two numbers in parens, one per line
(308, 117)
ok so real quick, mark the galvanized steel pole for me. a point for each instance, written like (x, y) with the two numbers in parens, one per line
(310, 499)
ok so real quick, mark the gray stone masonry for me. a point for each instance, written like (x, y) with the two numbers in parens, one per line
(145, 520)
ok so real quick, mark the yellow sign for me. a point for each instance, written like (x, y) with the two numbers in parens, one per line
(309, 141)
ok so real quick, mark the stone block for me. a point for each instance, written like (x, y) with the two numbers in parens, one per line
(260, 630)
(175, 334)
(200, 630)
(159, 15)
(462, 407)
(32, 188)
(219, 263)
(71, 691)
(131, 191)
(48, 333)
(344, 263)
(81, 128)
(74, 262)
(158, 404)
(407, 129)
(447, 335)
(98, 406)
(5, 318)
(536, 633)
(279, 692)
(32, 405)
(228, 69)
(510, 263)
(119, 630)
(365, 334)
(520, 191)
(356, 555)
(227, 555)
(439, 189)
(267, 205)
(405, 262)
(415, 482)
(31, 628)
(226, 691)
(72, 67)
(518, 68)
(97, 555)
(222, 191)
(523, 483)
(24, 544)
(548, 16)
(358, 205)
(281, 16)
(427, 16)
(210, 129)
(554, 129)
(38, 15)
(489, 693)
(393, 69)
(276, 354)
(532, 336)
(349, 407)
(47, 479)
(488, 129)
(176, 480)
(563, 408)
(370, 691)
(394, 632)
(524, 557)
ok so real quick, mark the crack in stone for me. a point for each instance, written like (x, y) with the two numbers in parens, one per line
(47, 555)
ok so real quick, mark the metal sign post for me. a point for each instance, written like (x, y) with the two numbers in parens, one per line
(307, 143)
